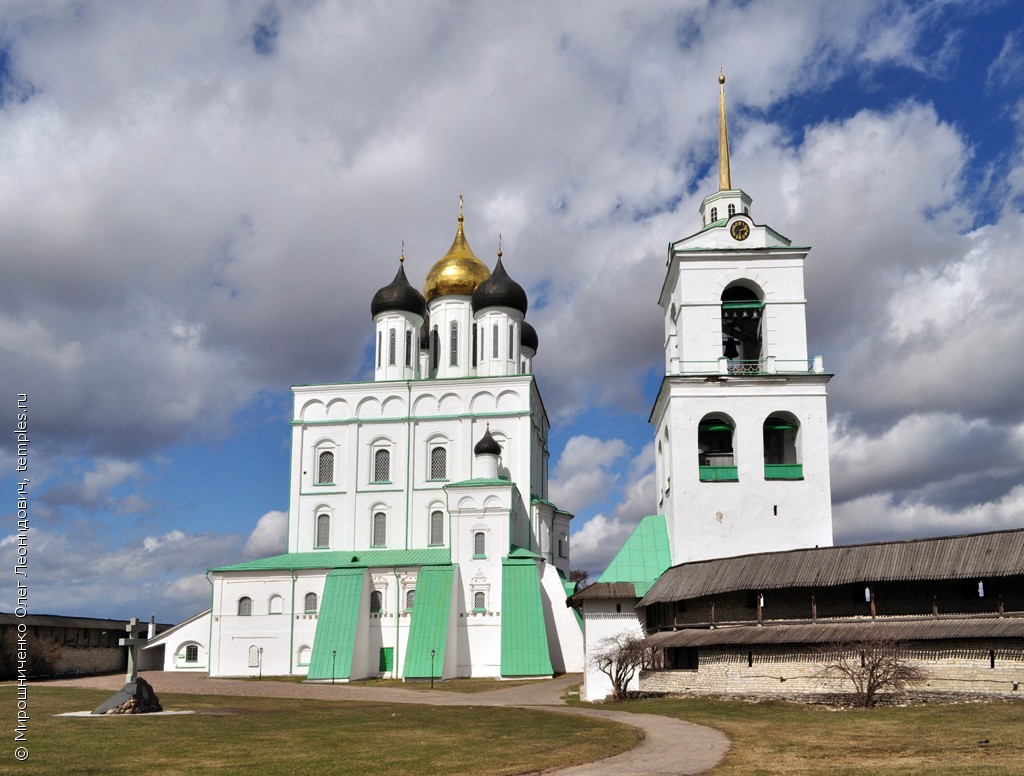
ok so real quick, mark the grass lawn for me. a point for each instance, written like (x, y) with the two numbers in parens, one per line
(778, 737)
(285, 736)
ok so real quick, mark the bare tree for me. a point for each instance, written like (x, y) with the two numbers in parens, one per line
(873, 667)
(620, 657)
(581, 577)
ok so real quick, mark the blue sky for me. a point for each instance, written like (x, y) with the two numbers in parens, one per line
(198, 200)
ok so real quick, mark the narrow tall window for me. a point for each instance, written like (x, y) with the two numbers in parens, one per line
(732, 210)
(380, 529)
(408, 347)
(494, 339)
(380, 347)
(479, 544)
(309, 603)
(244, 606)
(511, 341)
(474, 343)
(437, 527)
(325, 468)
(323, 530)
(453, 358)
(435, 347)
(479, 601)
(382, 466)
(376, 601)
(714, 214)
(410, 598)
(191, 654)
(563, 547)
(275, 605)
(438, 463)
(254, 656)
(483, 340)
(391, 347)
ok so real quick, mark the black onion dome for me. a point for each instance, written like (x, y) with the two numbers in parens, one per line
(499, 290)
(398, 295)
(528, 338)
(487, 445)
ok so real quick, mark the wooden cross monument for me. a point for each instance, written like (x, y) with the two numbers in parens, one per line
(133, 642)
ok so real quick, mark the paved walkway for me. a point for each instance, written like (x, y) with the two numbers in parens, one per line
(670, 746)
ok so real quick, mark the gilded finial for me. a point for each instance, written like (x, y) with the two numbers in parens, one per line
(401, 256)
(721, 74)
(460, 208)
(499, 245)
(724, 176)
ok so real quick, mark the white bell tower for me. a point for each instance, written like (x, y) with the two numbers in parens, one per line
(741, 432)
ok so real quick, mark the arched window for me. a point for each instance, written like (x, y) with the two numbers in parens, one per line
(732, 210)
(191, 654)
(408, 347)
(742, 319)
(714, 450)
(780, 448)
(254, 656)
(376, 601)
(325, 468)
(714, 214)
(479, 545)
(244, 606)
(436, 527)
(275, 605)
(453, 358)
(323, 530)
(309, 603)
(304, 654)
(563, 547)
(479, 601)
(438, 463)
(380, 529)
(410, 598)
(382, 465)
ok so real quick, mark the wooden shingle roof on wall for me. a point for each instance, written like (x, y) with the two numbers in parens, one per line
(972, 556)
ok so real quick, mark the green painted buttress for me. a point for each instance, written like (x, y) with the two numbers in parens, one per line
(428, 630)
(524, 637)
(336, 625)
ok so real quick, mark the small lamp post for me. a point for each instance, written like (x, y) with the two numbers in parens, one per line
(260, 661)
(432, 653)
(334, 655)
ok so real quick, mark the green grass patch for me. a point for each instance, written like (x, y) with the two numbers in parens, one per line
(772, 737)
(271, 736)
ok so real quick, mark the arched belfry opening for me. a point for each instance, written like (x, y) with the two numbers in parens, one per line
(742, 323)
(781, 447)
(715, 454)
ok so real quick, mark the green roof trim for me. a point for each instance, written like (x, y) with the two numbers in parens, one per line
(431, 611)
(337, 559)
(522, 552)
(478, 482)
(644, 556)
(336, 626)
(524, 638)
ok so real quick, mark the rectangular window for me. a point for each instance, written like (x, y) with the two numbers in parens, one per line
(438, 463)
(323, 530)
(495, 340)
(382, 466)
(474, 344)
(325, 468)
(453, 359)
(437, 527)
(408, 347)
(391, 347)
(511, 341)
(380, 347)
(380, 529)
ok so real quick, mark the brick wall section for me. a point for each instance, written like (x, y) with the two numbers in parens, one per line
(954, 667)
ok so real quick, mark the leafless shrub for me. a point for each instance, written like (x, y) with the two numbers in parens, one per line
(873, 667)
(620, 657)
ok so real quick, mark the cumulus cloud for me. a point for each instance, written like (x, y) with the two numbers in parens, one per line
(583, 475)
(269, 537)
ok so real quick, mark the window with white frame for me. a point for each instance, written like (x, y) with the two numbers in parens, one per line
(563, 547)
(479, 602)
(408, 347)
(376, 601)
(380, 347)
(511, 341)
(732, 210)
(453, 356)
(275, 605)
(494, 341)
(244, 606)
(309, 603)
(191, 654)
(254, 656)
(436, 527)
(382, 465)
(435, 348)
(323, 530)
(714, 214)
(479, 545)
(380, 529)
(473, 350)
(438, 462)
(304, 654)
(391, 347)
(410, 598)
(325, 468)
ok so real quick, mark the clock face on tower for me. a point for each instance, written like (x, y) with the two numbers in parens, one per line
(739, 230)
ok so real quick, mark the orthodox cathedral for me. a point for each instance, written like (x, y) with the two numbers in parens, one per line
(421, 542)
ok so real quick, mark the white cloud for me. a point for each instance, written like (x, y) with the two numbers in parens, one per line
(269, 537)
(584, 475)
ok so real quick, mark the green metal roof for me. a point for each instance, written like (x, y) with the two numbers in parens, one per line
(431, 611)
(478, 482)
(524, 638)
(522, 552)
(358, 559)
(643, 557)
(336, 626)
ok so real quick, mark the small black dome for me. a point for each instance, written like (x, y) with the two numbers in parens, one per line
(399, 295)
(487, 445)
(499, 290)
(528, 339)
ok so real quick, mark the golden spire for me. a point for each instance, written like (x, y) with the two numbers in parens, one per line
(724, 178)
(401, 256)
(499, 245)
(460, 208)
(459, 271)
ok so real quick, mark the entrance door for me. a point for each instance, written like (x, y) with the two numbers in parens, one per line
(387, 659)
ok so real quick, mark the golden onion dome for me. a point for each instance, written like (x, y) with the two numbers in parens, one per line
(457, 272)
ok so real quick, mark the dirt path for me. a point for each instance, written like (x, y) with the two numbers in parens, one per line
(670, 746)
